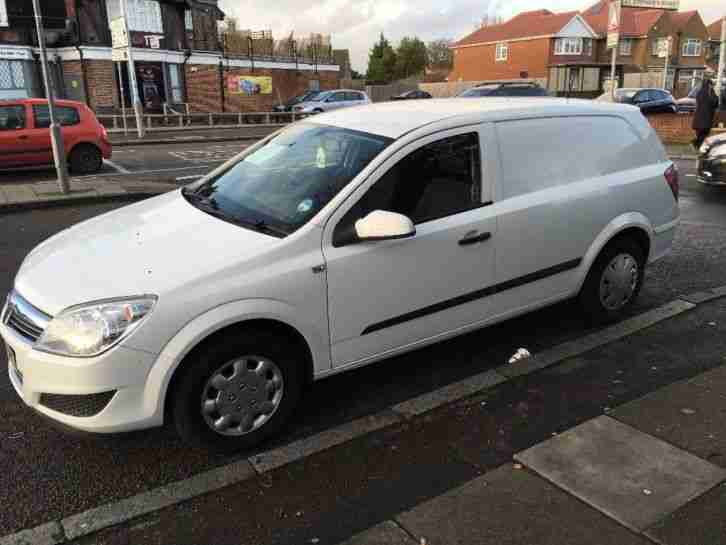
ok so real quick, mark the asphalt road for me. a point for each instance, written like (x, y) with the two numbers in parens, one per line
(176, 160)
(46, 474)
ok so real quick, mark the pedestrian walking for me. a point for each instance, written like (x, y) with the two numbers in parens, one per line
(706, 105)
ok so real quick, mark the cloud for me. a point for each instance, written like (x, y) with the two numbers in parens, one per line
(356, 24)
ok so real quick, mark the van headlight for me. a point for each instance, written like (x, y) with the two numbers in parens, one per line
(90, 329)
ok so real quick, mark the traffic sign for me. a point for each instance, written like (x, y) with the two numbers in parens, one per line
(613, 24)
(119, 34)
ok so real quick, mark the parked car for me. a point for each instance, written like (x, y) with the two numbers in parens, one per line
(688, 102)
(287, 106)
(333, 100)
(505, 90)
(650, 101)
(25, 135)
(412, 95)
(341, 240)
(712, 161)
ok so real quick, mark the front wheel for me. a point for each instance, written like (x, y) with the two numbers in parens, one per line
(238, 392)
(614, 281)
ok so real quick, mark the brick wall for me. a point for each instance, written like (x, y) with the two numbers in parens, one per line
(102, 92)
(204, 93)
(479, 63)
(676, 128)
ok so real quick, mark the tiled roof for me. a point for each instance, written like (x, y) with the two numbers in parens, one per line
(714, 30)
(527, 24)
(634, 22)
(680, 19)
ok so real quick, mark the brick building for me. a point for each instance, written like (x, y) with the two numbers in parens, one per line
(179, 58)
(567, 51)
(714, 44)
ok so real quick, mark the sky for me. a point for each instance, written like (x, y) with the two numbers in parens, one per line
(357, 24)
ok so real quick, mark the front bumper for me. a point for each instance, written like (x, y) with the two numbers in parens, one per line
(711, 172)
(104, 394)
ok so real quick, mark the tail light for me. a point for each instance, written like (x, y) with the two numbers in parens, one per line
(104, 133)
(671, 176)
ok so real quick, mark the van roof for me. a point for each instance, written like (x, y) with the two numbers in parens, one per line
(396, 118)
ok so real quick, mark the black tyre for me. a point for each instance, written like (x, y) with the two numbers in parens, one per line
(239, 391)
(614, 281)
(85, 159)
(317, 111)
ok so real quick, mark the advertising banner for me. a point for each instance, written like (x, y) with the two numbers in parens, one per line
(249, 85)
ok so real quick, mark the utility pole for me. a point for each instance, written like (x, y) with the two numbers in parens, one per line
(613, 40)
(721, 65)
(669, 41)
(138, 111)
(56, 136)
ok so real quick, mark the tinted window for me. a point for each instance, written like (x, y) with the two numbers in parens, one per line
(477, 92)
(65, 115)
(542, 153)
(12, 118)
(353, 96)
(435, 181)
(338, 97)
(644, 96)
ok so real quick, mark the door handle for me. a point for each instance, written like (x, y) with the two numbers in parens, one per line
(474, 238)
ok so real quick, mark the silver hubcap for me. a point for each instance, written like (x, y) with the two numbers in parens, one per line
(242, 395)
(618, 282)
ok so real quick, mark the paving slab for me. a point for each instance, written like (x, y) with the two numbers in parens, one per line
(511, 507)
(689, 414)
(633, 477)
(385, 533)
(701, 522)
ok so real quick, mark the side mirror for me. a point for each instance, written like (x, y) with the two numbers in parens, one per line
(376, 226)
(382, 225)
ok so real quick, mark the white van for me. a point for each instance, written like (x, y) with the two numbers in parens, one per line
(344, 239)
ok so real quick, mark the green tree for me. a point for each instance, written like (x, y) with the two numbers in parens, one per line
(381, 62)
(440, 56)
(410, 57)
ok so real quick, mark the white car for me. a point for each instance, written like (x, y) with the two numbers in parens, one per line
(338, 241)
(333, 100)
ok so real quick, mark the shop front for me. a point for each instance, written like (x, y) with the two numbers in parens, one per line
(159, 83)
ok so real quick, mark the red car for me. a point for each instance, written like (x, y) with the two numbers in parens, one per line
(25, 135)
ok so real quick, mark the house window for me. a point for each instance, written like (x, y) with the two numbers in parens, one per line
(144, 15)
(568, 46)
(587, 47)
(626, 47)
(188, 21)
(692, 48)
(502, 52)
(12, 80)
(659, 45)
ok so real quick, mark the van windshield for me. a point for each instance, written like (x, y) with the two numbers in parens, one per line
(280, 186)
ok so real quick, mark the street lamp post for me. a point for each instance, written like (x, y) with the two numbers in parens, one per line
(56, 136)
(138, 110)
(721, 64)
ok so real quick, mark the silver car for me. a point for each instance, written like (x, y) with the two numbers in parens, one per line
(333, 100)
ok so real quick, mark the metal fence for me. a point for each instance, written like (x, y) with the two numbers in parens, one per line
(175, 122)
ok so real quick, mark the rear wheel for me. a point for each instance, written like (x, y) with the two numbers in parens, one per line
(239, 391)
(614, 281)
(86, 159)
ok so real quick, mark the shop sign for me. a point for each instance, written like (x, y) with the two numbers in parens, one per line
(652, 4)
(249, 85)
(152, 41)
(3, 14)
(15, 53)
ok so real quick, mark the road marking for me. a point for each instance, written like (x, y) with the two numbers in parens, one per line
(691, 176)
(98, 518)
(116, 166)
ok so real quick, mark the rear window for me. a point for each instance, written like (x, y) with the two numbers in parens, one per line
(66, 115)
(542, 153)
(12, 118)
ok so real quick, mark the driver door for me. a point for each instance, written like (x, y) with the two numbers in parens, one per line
(386, 295)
